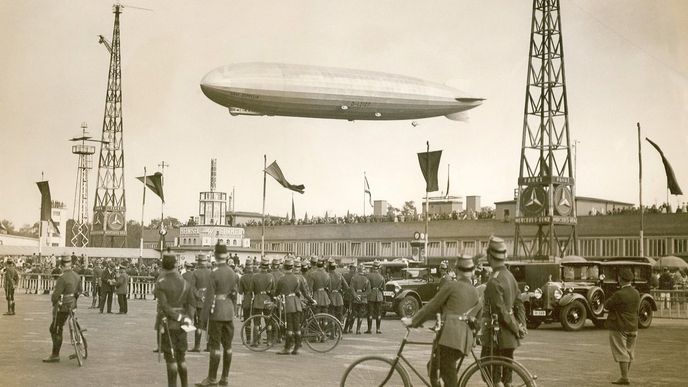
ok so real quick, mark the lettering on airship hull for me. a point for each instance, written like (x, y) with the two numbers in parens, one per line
(358, 104)
(243, 95)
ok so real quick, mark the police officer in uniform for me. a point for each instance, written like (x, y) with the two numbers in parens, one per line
(176, 307)
(348, 308)
(502, 304)
(189, 266)
(11, 281)
(338, 286)
(246, 290)
(444, 273)
(64, 297)
(360, 287)
(457, 301)
(319, 284)
(375, 297)
(95, 285)
(200, 281)
(291, 288)
(262, 284)
(218, 313)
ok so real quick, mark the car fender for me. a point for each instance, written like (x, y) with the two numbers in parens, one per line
(650, 299)
(570, 297)
(408, 292)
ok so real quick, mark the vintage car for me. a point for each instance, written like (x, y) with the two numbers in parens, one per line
(582, 291)
(405, 296)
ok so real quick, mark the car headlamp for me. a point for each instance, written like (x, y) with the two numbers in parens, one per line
(602, 277)
(538, 294)
(558, 294)
(397, 287)
(526, 288)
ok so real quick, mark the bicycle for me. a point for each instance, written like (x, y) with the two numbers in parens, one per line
(320, 331)
(77, 338)
(380, 371)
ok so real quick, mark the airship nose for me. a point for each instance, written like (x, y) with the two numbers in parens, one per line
(212, 83)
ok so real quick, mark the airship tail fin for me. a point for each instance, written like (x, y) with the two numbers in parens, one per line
(460, 116)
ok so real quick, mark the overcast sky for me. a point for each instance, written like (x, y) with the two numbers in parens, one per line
(626, 62)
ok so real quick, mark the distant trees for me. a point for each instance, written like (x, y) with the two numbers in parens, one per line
(409, 209)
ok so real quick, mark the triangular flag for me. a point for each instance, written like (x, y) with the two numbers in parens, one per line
(367, 190)
(154, 182)
(429, 165)
(275, 171)
(672, 184)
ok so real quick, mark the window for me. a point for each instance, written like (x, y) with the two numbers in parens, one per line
(451, 249)
(356, 249)
(386, 249)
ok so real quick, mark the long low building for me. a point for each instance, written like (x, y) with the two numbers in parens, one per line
(598, 236)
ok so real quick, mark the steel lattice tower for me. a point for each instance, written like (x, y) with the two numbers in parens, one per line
(546, 186)
(80, 228)
(109, 210)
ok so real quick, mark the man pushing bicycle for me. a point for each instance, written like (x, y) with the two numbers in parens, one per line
(457, 301)
(64, 297)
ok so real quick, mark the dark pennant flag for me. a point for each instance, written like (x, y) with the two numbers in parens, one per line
(154, 182)
(429, 164)
(672, 184)
(275, 171)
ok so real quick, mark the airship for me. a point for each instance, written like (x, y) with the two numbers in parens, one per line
(278, 89)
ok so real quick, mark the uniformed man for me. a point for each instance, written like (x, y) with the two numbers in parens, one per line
(338, 287)
(107, 285)
(458, 302)
(348, 308)
(444, 273)
(95, 285)
(291, 288)
(218, 313)
(503, 305)
(189, 267)
(200, 281)
(11, 281)
(176, 308)
(375, 297)
(319, 284)
(300, 270)
(246, 290)
(275, 270)
(64, 297)
(262, 284)
(360, 287)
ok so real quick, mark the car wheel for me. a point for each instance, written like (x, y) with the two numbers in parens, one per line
(533, 324)
(596, 300)
(573, 316)
(408, 306)
(645, 314)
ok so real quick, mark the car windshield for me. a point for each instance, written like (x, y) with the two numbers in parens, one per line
(415, 272)
(580, 272)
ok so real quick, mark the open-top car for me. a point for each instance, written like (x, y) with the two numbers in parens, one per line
(582, 291)
(406, 296)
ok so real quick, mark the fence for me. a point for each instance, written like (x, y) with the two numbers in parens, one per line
(139, 287)
(671, 303)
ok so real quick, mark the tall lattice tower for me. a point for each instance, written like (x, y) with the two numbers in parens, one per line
(109, 211)
(546, 187)
(80, 228)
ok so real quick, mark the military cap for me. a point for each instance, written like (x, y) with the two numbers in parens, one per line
(360, 268)
(376, 264)
(221, 251)
(444, 264)
(626, 274)
(168, 261)
(188, 264)
(275, 261)
(264, 262)
(297, 264)
(352, 266)
(314, 259)
(231, 263)
(465, 263)
(65, 259)
(331, 262)
(496, 248)
(202, 258)
(288, 263)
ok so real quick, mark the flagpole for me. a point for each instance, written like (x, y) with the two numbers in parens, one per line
(640, 192)
(262, 234)
(364, 189)
(427, 214)
(143, 206)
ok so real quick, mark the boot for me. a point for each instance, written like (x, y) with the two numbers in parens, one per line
(172, 374)
(358, 326)
(287, 346)
(623, 380)
(378, 325)
(297, 344)
(197, 341)
(370, 325)
(9, 309)
(52, 359)
(212, 371)
(226, 364)
(13, 304)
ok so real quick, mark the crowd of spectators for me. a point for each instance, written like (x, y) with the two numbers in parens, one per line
(664, 208)
(485, 213)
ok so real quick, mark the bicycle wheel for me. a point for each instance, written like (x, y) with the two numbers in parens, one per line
(258, 333)
(83, 345)
(322, 332)
(490, 370)
(74, 337)
(374, 371)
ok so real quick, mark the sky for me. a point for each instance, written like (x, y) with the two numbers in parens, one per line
(626, 62)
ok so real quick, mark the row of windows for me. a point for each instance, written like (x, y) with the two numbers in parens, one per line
(589, 247)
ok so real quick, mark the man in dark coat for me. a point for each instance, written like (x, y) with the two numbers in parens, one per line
(360, 286)
(11, 282)
(348, 308)
(319, 284)
(458, 302)
(501, 300)
(108, 281)
(175, 311)
(622, 323)
(289, 287)
(218, 313)
(64, 297)
(200, 282)
(121, 288)
(338, 286)
(375, 298)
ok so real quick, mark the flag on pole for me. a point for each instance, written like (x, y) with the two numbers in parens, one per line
(446, 195)
(429, 165)
(275, 171)
(672, 184)
(154, 182)
(47, 205)
(366, 190)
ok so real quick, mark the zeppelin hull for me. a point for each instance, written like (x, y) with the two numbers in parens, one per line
(307, 91)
